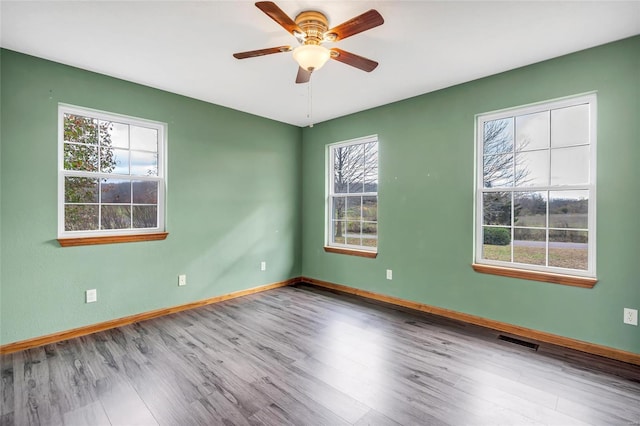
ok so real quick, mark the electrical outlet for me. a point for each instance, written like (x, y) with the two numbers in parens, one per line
(389, 274)
(263, 266)
(630, 316)
(182, 280)
(91, 295)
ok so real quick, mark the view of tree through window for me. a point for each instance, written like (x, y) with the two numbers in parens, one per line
(353, 194)
(110, 172)
(535, 191)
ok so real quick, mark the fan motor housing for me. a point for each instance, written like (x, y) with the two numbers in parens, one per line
(314, 24)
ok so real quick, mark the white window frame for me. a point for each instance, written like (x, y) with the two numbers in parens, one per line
(62, 173)
(331, 193)
(590, 272)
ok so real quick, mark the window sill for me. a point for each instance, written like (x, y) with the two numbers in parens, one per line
(571, 280)
(111, 239)
(351, 252)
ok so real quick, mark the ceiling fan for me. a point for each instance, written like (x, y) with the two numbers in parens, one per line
(311, 28)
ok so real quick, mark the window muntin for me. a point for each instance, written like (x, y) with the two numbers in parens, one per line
(111, 174)
(535, 202)
(353, 194)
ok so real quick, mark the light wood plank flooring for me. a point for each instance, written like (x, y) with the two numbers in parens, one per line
(301, 355)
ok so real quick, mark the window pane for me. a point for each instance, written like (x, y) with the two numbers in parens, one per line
(79, 217)
(570, 166)
(372, 185)
(369, 234)
(80, 157)
(530, 209)
(569, 249)
(116, 217)
(370, 208)
(145, 216)
(144, 163)
(496, 243)
(357, 186)
(117, 135)
(570, 126)
(353, 233)
(369, 229)
(117, 161)
(354, 208)
(143, 138)
(339, 211)
(340, 169)
(115, 191)
(569, 209)
(80, 129)
(371, 167)
(354, 240)
(529, 246)
(370, 242)
(496, 208)
(108, 160)
(532, 168)
(354, 167)
(338, 232)
(145, 192)
(497, 171)
(532, 131)
(498, 137)
(80, 190)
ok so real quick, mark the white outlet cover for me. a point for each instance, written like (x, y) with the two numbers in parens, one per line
(263, 266)
(182, 280)
(630, 316)
(389, 274)
(91, 295)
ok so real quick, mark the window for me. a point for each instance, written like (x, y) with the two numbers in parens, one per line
(535, 200)
(111, 174)
(353, 196)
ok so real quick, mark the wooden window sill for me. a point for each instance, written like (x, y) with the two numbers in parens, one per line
(111, 239)
(571, 280)
(351, 252)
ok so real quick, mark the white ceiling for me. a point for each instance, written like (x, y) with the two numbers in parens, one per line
(186, 47)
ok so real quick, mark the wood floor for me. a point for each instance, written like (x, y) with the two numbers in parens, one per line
(303, 356)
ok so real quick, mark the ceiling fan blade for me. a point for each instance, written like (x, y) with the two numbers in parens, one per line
(360, 23)
(354, 60)
(275, 13)
(261, 52)
(303, 76)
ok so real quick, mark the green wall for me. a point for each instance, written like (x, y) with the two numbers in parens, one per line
(242, 189)
(426, 199)
(233, 200)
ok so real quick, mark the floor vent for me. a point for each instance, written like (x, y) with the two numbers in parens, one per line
(519, 342)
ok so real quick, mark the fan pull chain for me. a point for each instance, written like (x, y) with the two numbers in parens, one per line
(310, 104)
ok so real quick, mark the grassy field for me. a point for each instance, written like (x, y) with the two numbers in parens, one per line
(568, 220)
(561, 258)
(367, 242)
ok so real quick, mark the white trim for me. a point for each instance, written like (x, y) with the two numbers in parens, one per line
(588, 98)
(354, 141)
(540, 106)
(160, 178)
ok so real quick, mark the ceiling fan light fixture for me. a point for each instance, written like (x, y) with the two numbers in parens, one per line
(311, 57)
